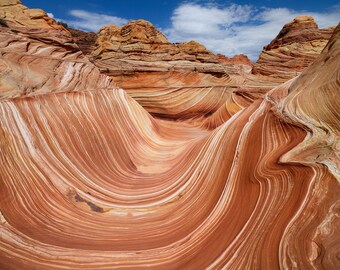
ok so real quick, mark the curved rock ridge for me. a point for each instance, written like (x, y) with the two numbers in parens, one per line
(139, 46)
(100, 184)
(297, 45)
(176, 81)
(311, 101)
(178, 95)
(90, 180)
(187, 95)
(140, 59)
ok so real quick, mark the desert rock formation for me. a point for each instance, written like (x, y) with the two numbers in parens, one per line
(90, 180)
(38, 56)
(236, 59)
(297, 45)
(312, 101)
(140, 59)
(139, 46)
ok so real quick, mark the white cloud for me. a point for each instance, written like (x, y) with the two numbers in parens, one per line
(192, 19)
(237, 28)
(50, 15)
(91, 21)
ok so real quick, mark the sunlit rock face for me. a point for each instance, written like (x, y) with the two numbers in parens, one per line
(236, 59)
(139, 46)
(90, 180)
(311, 100)
(176, 81)
(297, 45)
(39, 56)
(16, 14)
(170, 80)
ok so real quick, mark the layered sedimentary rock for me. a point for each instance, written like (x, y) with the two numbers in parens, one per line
(297, 45)
(38, 56)
(90, 180)
(16, 14)
(177, 95)
(177, 81)
(236, 59)
(140, 59)
(312, 101)
(115, 188)
(139, 46)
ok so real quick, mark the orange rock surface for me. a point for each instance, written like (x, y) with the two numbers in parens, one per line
(90, 180)
(140, 59)
(38, 56)
(236, 59)
(312, 101)
(139, 46)
(297, 45)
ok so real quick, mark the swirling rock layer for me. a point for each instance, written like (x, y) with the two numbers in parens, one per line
(177, 81)
(99, 182)
(140, 59)
(39, 56)
(90, 180)
(312, 100)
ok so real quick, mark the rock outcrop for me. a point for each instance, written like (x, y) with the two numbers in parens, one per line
(153, 71)
(84, 40)
(17, 15)
(138, 47)
(90, 180)
(311, 101)
(297, 45)
(236, 59)
(139, 58)
(38, 56)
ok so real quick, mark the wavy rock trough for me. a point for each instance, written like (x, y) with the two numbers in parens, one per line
(90, 180)
(154, 72)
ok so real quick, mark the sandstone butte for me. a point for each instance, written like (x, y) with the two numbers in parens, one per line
(139, 46)
(89, 179)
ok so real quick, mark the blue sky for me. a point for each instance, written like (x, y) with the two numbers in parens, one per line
(228, 27)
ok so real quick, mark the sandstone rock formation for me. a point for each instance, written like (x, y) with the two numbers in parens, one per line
(312, 101)
(90, 180)
(140, 59)
(38, 56)
(236, 59)
(297, 45)
(139, 46)
(16, 14)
